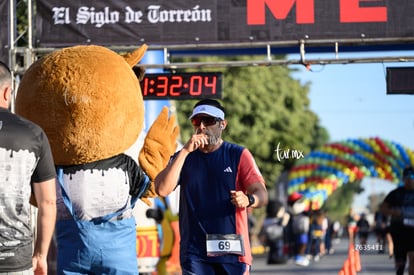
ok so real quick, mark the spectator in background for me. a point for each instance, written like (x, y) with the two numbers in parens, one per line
(331, 232)
(324, 229)
(299, 227)
(273, 231)
(26, 167)
(352, 225)
(317, 231)
(363, 229)
(381, 228)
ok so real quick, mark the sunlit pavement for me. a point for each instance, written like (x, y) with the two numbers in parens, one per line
(371, 263)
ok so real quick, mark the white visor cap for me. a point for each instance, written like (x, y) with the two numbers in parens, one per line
(208, 110)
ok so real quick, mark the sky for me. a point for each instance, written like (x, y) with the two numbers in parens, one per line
(351, 102)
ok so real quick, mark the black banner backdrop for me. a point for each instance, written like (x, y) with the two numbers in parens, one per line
(166, 22)
(4, 31)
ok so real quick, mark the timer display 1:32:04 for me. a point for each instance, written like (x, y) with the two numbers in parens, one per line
(182, 85)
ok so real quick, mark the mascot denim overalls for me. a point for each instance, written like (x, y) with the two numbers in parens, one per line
(98, 246)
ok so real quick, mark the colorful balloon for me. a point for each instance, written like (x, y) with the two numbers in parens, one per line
(322, 171)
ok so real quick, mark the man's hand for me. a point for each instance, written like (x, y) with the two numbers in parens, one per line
(196, 141)
(39, 264)
(239, 199)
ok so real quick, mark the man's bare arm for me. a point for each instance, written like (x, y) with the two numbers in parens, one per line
(167, 179)
(45, 193)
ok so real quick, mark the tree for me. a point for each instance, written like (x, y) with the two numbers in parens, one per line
(340, 201)
(21, 14)
(267, 110)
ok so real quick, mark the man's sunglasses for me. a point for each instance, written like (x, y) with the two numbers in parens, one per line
(207, 121)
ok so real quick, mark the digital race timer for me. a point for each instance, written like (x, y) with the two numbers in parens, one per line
(182, 85)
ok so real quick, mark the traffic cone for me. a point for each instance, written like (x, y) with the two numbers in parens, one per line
(351, 257)
(346, 267)
(358, 266)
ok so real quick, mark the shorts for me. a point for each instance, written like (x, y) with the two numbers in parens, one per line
(403, 239)
(205, 268)
(302, 238)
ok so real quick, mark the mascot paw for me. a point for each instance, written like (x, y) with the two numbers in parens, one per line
(149, 193)
(146, 201)
(159, 145)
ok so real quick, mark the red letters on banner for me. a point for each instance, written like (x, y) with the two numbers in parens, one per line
(351, 12)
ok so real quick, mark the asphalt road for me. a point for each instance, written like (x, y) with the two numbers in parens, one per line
(371, 263)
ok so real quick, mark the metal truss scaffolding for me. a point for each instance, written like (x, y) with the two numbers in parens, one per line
(261, 53)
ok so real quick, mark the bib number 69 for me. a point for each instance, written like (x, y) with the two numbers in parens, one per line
(224, 245)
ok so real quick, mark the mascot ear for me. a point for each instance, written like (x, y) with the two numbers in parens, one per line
(139, 72)
(133, 58)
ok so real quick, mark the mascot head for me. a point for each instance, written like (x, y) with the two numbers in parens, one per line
(87, 99)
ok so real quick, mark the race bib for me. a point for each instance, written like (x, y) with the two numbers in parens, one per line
(408, 222)
(219, 244)
(408, 216)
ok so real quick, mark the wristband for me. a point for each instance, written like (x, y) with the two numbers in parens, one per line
(251, 200)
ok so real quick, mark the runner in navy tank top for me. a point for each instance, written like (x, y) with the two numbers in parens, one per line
(218, 182)
(399, 204)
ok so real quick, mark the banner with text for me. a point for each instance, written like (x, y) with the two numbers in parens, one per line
(4, 31)
(162, 22)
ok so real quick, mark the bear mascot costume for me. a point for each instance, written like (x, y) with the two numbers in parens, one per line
(88, 101)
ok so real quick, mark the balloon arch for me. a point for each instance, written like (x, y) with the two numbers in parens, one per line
(321, 172)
